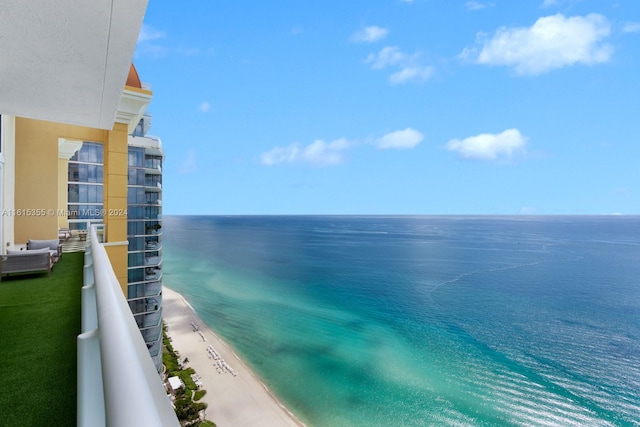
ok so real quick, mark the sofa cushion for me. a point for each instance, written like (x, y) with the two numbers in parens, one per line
(26, 252)
(39, 244)
(35, 251)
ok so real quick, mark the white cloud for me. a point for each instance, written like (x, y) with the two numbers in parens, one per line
(318, 153)
(631, 27)
(388, 56)
(487, 146)
(147, 33)
(147, 42)
(189, 164)
(411, 74)
(409, 67)
(204, 107)
(149, 45)
(322, 153)
(549, 3)
(476, 5)
(552, 42)
(369, 34)
(558, 3)
(400, 139)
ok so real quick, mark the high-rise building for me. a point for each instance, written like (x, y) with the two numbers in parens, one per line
(144, 233)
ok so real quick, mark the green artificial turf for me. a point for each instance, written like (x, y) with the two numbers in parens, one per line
(39, 323)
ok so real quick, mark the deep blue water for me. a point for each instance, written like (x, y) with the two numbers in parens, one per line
(412, 321)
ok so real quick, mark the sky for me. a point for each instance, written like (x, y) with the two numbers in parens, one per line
(421, 107)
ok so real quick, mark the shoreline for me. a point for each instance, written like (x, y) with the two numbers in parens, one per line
(236, 396)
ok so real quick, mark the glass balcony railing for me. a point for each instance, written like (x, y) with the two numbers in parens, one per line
(152, 289)
(152, 274)
(145, 305)
(152, 260)
(152, 245)
(149, 320)
(152, 334)
(155, 348)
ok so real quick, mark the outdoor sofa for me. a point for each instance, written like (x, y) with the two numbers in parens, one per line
(38, 260)
(53, 245)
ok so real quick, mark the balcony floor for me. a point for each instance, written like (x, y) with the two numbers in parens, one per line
(74, 244)
(39, 323)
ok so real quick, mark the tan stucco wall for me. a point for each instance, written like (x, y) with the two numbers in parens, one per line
(115, 204)
(38, 177)
(41, 183)
(118, 255)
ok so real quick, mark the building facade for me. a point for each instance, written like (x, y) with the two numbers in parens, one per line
(57, 175)
(144, 234)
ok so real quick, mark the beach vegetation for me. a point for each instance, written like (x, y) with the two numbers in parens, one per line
(185, 376)
(187, 409)
(169, 356)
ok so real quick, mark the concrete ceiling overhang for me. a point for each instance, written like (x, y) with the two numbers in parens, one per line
(67, 60)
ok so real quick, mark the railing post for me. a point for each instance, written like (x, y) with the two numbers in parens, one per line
(90, 391)
(89, 312)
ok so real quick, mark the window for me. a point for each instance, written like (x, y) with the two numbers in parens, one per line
(136, 157)
(85, 190)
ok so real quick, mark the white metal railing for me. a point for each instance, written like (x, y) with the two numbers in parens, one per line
(118, 385)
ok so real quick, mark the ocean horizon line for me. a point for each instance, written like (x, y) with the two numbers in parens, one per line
(338, 215)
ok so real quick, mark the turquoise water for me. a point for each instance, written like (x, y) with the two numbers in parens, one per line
(420, 321)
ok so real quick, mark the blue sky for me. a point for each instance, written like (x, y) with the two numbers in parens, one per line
(396, 106)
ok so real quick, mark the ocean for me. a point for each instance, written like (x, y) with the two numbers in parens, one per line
(425, 320)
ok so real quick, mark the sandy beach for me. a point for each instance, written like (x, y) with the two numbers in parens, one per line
(235, 395)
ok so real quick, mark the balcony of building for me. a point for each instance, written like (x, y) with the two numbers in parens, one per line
(155, 347)
(142, 275)
(150, 169)
(152, 213)
(153, 244)
(40, 320)
(67, 348)
(152, 260)
(152, 186)
(151, 334)
(151, 143)
(152, 289)
(149, 320)
(144, 289)
(146, 306)
(153, 227)
(153, 274)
